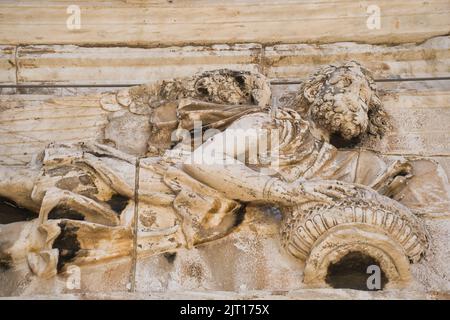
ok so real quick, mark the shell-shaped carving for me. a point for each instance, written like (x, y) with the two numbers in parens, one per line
(109, 102)
(141, 109)
(123, 97)
(300, 232)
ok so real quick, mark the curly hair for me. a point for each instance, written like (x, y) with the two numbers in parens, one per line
(221, 86)
(318, 91)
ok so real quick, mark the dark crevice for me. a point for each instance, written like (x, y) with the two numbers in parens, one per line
(10, 212)
(65, 212)
(67, 244)
(239, 215)
(170, 257)
(351, 272)
(5, 261)
(118, 203)
(339, 142)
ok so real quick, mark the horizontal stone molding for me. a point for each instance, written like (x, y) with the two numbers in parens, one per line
(156, 23)
(71, 65)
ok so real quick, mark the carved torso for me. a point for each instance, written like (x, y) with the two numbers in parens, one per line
(296, 153)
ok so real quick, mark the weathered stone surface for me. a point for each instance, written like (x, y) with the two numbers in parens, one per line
(301, 294)
(250, 258)
(424, 103)
(133, 23)
(419, 116)
(8, 65)
(75, 65)
(110, 188)
(30, 122)
(296, 61)
(131, 201)
(111, 277)
(434, 273)
(71, 65)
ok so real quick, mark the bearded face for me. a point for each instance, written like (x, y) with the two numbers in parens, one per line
(340, 99)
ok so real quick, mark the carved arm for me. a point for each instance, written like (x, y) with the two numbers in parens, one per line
(216, 163)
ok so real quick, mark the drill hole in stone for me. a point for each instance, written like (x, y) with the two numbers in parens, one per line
(350, 272)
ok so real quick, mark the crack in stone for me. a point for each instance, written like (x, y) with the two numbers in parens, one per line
(132, 287)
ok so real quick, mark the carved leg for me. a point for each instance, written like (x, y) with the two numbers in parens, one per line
(90, 209)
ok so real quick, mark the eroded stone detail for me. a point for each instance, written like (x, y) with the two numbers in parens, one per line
(324, 97)
(214, 98)
(84, 194)
(396, 236)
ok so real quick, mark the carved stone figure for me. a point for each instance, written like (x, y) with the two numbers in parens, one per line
(214, 98)
(338, 100)
(91, 197)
